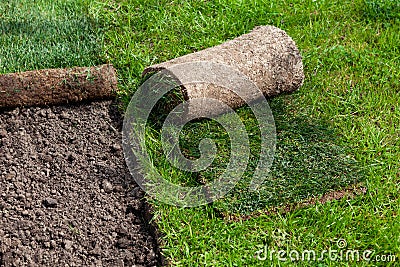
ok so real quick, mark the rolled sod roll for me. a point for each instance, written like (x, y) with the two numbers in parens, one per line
(57, 86)
(267, 56)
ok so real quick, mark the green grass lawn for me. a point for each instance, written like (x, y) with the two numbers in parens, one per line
(47, 34)
(340, 130)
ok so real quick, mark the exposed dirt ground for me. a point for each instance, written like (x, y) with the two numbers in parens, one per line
(66, 196)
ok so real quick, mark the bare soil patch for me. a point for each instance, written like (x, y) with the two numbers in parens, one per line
(66, 196)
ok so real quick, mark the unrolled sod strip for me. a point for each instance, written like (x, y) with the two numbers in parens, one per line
(57, 86)
(267, 56)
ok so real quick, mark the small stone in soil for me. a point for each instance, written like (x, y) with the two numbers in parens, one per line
(107, 186)
(3, 133)
(67, 244)
(116, 148)
(50, 202)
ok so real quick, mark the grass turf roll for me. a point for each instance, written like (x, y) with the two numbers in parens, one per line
(267, 56)
(57, 86)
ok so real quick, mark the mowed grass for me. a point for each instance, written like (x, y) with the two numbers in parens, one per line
(341, 128)
(43, 34)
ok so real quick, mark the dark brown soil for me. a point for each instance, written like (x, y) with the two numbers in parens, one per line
(66, 196)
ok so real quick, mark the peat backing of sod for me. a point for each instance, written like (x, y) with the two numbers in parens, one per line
(66, 196)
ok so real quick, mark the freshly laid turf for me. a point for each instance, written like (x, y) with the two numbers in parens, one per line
(341, 128)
